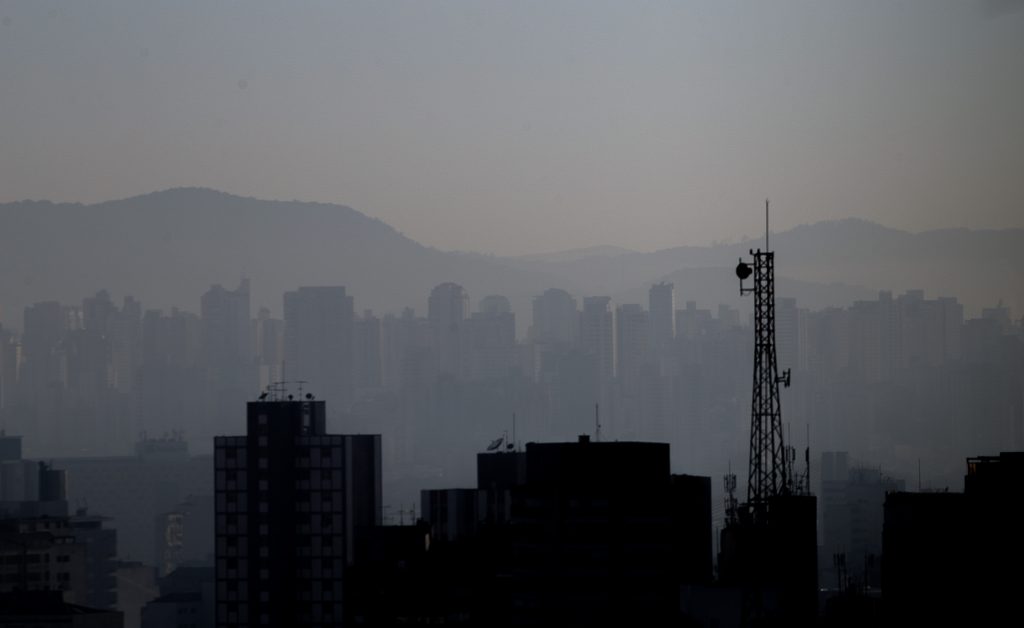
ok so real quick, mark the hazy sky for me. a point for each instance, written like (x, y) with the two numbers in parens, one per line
(515, 127)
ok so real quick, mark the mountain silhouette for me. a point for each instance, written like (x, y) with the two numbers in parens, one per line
(166, 248)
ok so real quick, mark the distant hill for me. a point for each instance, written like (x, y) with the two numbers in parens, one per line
(601, 250)
(980, 267)
(166, 248)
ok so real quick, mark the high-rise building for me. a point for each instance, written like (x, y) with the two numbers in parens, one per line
(367, 352)
(318, 341)
(662, 306)
(134, 490)
(100, 553)
(851, 518)
(45, 324)
(790, 332)
(407, 354)
(602, 533)
(491, 339)
(954, 557)
(226, 330)
(269, 334)
(597, 333)
(290, 501)
(555, 318)
(447, 309)
(9, 353)
(632, 333)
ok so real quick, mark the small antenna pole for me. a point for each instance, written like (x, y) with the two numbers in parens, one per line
(807, 459)
(597, 422)
(766, 246)
(514, 441)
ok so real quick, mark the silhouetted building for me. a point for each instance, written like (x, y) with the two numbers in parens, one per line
(555, 318)
(632, 332)
(497, 474)
(136, 587)
(447, 309)
(454, 514)
(46, 609)
(954, 557)
(269, 334)
(770, 554)
(602, 533)
(134, 490)
(491, 339)
(184, 535)
(851, 521)
(662, 306)
(318, 342)
(597, 333)
(226, 336)
(789, 334)
(290, 501)
(41, 554)
(186, 600)
(366, 339)
(100, 557)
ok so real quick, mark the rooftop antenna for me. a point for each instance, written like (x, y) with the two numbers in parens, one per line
(807, 460)
(766, 246)
(514, 442)
(769, 473)
(597, 422)
(731, 504)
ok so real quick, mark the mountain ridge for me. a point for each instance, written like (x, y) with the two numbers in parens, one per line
(168, 246)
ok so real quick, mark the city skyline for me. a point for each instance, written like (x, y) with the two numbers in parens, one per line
(511, 313)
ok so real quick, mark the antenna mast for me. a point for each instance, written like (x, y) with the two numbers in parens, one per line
(769, 473)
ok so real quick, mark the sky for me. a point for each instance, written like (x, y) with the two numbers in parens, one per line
(525, 127)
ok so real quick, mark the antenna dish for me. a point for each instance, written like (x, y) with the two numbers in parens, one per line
(743, 270)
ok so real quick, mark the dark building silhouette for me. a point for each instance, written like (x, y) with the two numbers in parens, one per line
(290, 502)
(186, 600)
(602, 532)
(46, 609)
(951, 557)
(770, 554)
(573, 534)
(851, 521)
(100, 557)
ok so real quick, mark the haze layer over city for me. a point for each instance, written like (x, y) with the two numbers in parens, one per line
(459, 223)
